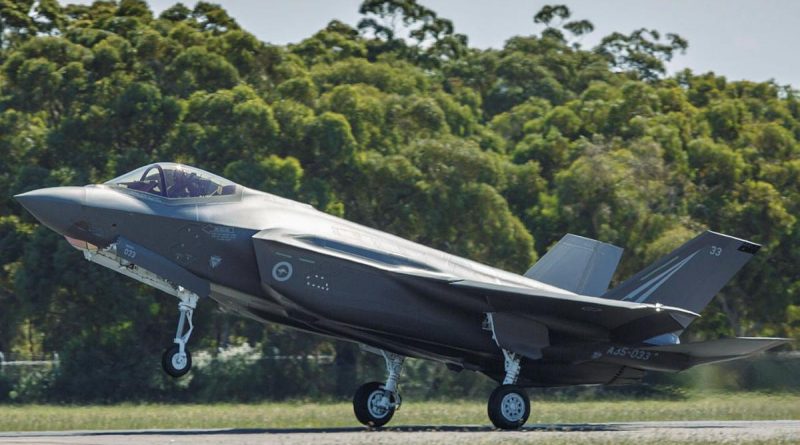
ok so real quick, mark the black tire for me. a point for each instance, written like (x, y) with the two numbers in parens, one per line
(509, 407)
(369, 416)
(169, 366)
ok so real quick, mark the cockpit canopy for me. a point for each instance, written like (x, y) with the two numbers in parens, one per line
(172, 180)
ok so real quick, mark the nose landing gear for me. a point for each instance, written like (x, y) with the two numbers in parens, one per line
(374, 403)
(177, 360)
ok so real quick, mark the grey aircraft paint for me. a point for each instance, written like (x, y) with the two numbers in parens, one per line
(188, 232)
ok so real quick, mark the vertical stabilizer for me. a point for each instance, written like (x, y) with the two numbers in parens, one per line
(577, 264)
(691, 275)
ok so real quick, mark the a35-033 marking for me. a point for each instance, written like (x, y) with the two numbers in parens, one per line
(631, 353)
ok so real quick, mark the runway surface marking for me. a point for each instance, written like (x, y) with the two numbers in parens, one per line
(778, 431)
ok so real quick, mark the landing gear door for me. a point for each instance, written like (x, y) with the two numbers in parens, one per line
(151, 261)
(520, 334)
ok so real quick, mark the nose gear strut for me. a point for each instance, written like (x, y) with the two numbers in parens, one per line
(177, 360)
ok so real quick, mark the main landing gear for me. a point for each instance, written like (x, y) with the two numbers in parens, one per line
(509, 405)
(177, 360)
(375, 403)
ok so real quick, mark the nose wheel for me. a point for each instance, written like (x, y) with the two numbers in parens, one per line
(175, 363)
(374, 403)
(177, 360)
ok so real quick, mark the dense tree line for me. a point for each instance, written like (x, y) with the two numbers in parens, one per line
(397, 124)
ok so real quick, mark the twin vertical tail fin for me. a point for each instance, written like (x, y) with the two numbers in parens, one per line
(578, 264)
(691, 275)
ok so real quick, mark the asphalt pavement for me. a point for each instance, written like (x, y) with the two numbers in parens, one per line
(774, 431)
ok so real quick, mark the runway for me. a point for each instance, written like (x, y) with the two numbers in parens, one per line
(775, 431)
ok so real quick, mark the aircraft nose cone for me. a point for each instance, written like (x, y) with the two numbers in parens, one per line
(57, 207)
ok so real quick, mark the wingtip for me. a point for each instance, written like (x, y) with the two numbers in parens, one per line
(774, 339)
(674, 310)
(22, 195)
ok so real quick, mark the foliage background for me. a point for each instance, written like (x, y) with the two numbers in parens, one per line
(398, 124)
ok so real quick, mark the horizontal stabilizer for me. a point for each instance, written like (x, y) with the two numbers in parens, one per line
(691, 275)
(722, 349)
(577, 264)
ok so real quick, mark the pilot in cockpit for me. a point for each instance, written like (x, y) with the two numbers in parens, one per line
(185, 185)
(170, 180)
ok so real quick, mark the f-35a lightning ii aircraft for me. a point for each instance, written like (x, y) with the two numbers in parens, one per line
(197, 236)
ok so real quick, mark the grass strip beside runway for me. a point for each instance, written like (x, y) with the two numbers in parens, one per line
(735, 406)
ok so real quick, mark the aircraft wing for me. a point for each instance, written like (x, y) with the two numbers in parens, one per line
(590, 316)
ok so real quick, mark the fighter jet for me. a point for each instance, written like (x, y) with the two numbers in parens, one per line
(197, 236)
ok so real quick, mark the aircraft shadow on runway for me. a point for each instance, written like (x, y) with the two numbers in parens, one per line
(551, 427)
(396, 429)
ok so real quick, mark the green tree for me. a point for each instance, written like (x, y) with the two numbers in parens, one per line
(642, 51)
(223, 126)
(435, 38)
(398, 124)
(549, 13)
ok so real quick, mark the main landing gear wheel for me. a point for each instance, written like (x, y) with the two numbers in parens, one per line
(509, 407)
(176, 364)
(370, 407)
(375, 403)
